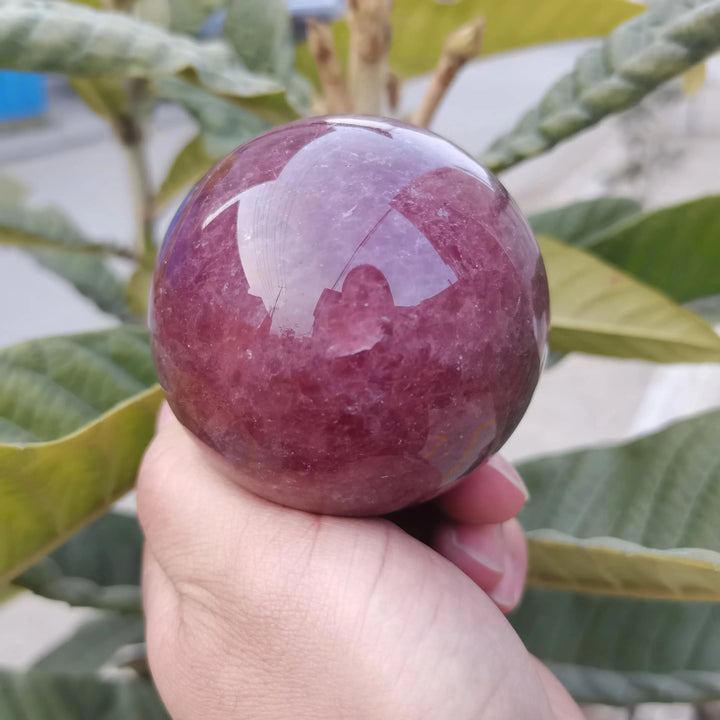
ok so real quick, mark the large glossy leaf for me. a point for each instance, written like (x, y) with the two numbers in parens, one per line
(57, 244)
(76, 413)
(597, 308)
(624, 651)
(97, 567)
(578, 221)
(676, 249)
(637, 519)
(510, 25)
(662, 43)
(67, 696)
(93, 644)
(35, 36)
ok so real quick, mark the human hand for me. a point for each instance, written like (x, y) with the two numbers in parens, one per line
(260, 612)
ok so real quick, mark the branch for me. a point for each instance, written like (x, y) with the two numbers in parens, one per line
(460, 47)
(370, 34)
(130, 130)
(322, 47)
(393, 87)
(32, 241)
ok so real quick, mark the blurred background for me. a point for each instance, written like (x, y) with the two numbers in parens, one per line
(664, 151)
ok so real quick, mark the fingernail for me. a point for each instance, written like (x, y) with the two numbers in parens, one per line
(507, 593)
(164, 415)
(499, 463)
(484, 544)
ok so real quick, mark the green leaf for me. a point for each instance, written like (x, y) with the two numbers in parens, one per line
(191, 163)
(8, 592)
(156, 12)
(92, 645)
(636, 519)
(92, 278)
(261, 34)
(576, 222)
(76, 414)
(596, 308)
(707, 307)
(510, 25)
(98, 567)
(106, 97)
(57, 244)
(189, 16)
(662, 43)
(622, 651)
(675, 249)
(138, 290)
(66, 696)
(34, 36)
(694, 80)
(53, 386)
(224, 126)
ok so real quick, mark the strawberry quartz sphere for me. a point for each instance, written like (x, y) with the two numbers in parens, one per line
(352, 311)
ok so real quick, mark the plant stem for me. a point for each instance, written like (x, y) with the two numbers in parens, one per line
(370, 35)
(142, 198)
(18, 238)
(393, 88)
(322, 46)
(460, 47)
(130, 129)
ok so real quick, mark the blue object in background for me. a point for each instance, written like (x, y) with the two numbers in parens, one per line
(22, 95)
(316, 8)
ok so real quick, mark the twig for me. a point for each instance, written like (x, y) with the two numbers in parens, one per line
(460, 47)
(130, 129)
(318, 105)
(393, 86)
(24, 240)
(370, 35)
(322, 46)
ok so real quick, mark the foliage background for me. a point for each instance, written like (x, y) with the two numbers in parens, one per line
(621, 157)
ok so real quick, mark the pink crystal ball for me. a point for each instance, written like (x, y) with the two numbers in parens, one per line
(352, 311)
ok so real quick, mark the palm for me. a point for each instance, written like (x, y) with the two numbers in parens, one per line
(246, 600)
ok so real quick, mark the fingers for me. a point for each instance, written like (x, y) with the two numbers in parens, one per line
(492, 493)
(195, 517)
(493, 556)
(508, 592)
(481, 537)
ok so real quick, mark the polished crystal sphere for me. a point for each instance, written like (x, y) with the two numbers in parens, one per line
(352, 311)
